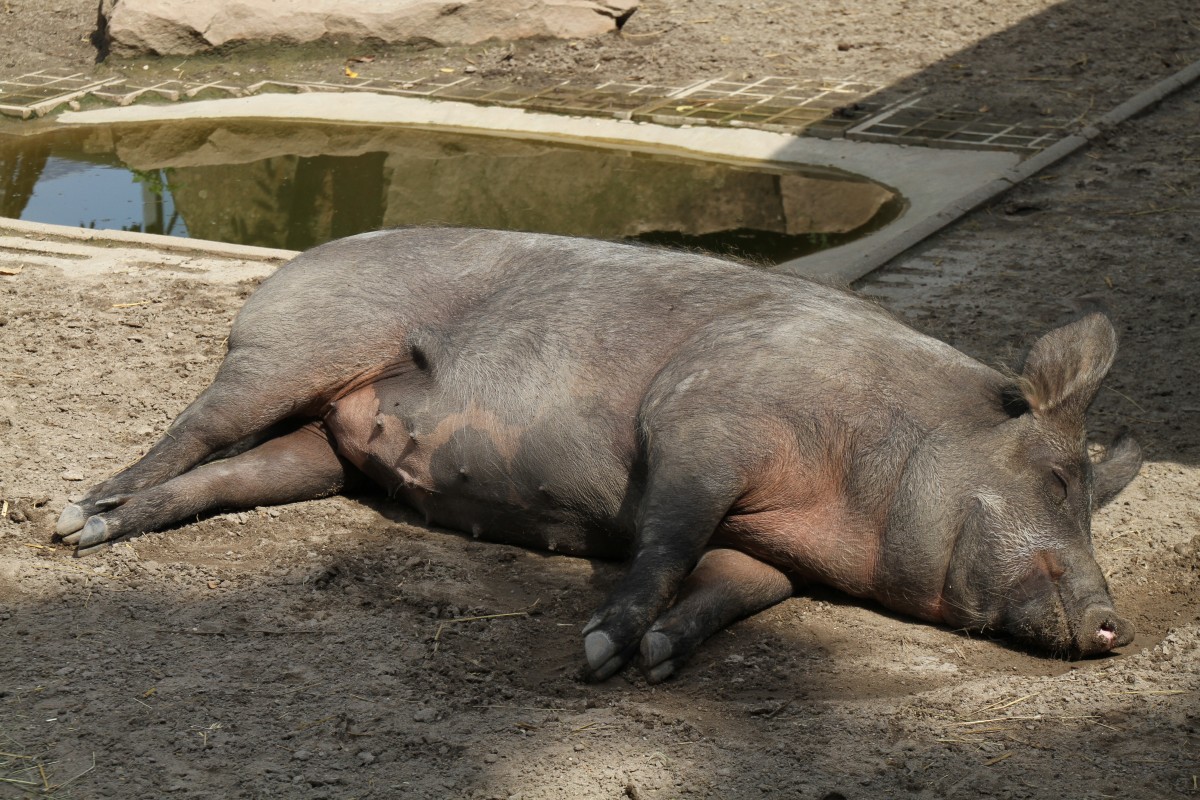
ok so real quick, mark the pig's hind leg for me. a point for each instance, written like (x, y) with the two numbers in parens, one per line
(725, 586)
(254, 389)
(300, 465)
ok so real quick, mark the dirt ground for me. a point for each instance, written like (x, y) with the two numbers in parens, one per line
(320, 650)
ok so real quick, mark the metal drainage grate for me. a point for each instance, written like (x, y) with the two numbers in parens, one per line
(39, 93)
(783, 104)
(816, 106)
(909, 122)
(829, 108)
(172, 90)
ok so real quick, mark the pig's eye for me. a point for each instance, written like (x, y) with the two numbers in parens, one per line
(1058, 485)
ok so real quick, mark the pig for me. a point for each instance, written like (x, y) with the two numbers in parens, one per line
(738, 433)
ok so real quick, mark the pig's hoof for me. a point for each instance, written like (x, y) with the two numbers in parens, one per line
(599, 649)
(657, 650)
(94, 532)
(603, 655)
(661, 672)
(70, 520)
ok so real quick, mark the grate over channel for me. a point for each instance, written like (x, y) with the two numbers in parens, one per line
(815, 106)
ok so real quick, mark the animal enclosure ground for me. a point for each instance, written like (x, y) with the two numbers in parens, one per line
(339, 648)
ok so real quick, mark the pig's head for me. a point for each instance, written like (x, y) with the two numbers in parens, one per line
(1016, 497)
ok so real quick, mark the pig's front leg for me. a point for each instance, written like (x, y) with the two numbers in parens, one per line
(725, 586)
(685, 499)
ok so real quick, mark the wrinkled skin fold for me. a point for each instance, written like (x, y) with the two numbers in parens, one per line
(735, 433)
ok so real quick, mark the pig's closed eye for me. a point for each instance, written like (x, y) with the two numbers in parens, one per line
(1058, 485)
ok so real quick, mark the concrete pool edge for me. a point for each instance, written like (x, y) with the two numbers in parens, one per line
(88, 252)
(930, 181)
(105, 236)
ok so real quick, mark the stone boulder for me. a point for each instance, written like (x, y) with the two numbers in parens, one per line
(135, 27)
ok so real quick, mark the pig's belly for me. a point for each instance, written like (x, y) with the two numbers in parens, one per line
(543, 528)
(551, 483)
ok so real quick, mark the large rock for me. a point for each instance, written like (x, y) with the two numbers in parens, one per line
(171, 27)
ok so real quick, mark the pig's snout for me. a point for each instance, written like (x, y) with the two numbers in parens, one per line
(1101, 630)
(1066, 610)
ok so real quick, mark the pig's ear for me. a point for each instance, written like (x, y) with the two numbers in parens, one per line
(1118, 467)
(1064, 368)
